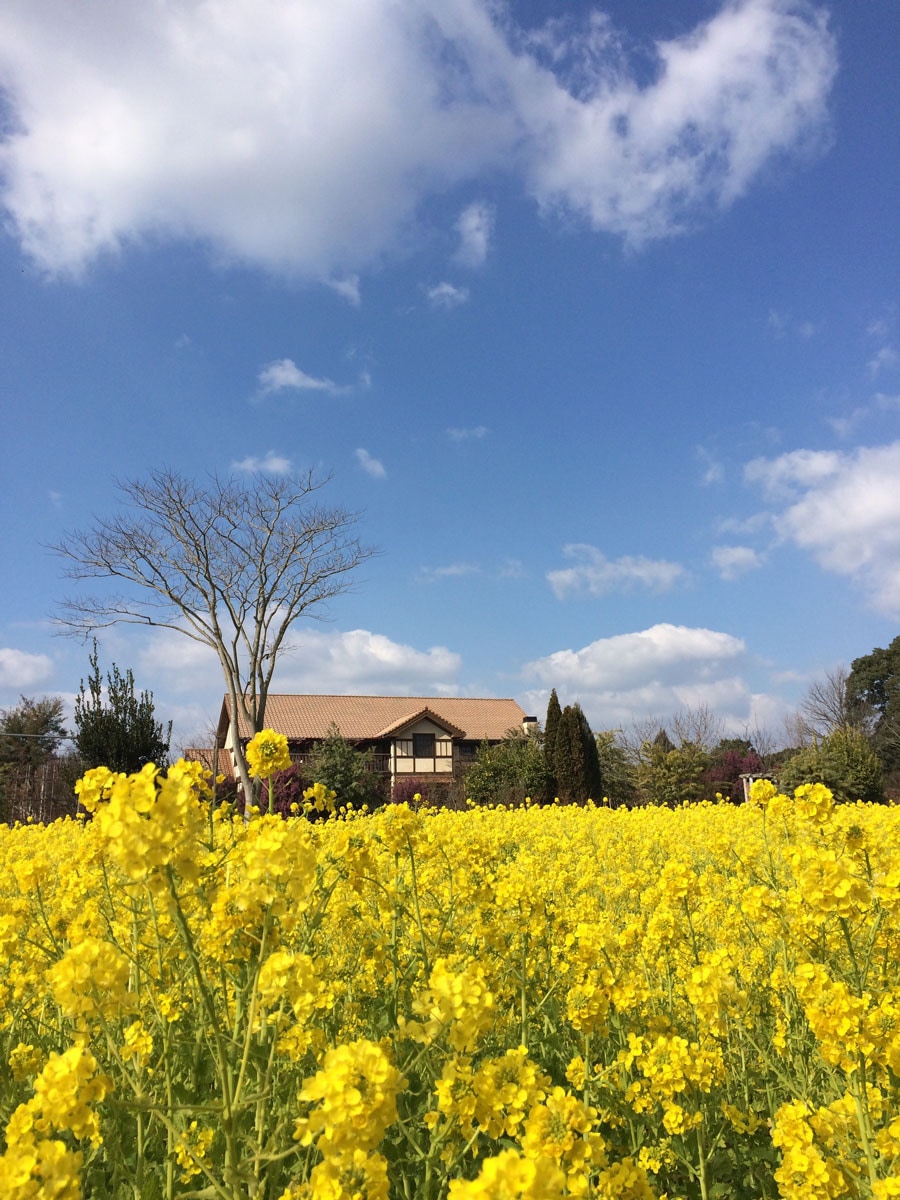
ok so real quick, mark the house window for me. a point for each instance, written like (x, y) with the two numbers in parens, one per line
(423, 745)
(404, 748)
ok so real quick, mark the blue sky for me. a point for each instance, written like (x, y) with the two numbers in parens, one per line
(592, 312)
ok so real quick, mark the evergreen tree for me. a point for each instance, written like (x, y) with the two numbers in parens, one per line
(616, 770)
(551, 729)
(663, 743)
(669, 774)
(344, 769)
(593, 780)
(509, 771)
(30, 734)
(844, 761)
(577, 763)
(873, 693)
(120, 732)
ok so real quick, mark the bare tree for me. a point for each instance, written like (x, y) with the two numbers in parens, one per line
(231, 565)
(698, 727)
(827, 707)
(763, 740)
(640, 733)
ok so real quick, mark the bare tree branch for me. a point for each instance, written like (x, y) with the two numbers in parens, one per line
(827, 706)
(231, 565)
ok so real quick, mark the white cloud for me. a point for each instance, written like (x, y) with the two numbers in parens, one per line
(844, 510)
(782, 324)
(359, 662)
(713, 470)
(446, 295)
(790, 472)
(186, 666)
(733, 561)
(463, 435)
(285, 375)
(451, 571)
(597, 575)
(356, 661)
(750, 82)
(755, 523)
(655, 672)
(20, 670)
(844, 426)
(302, 137)
(371, 466)
(884, 360)
(348, 288)
(273, 464)
(512, 568)
(475, 228)
(312, 660)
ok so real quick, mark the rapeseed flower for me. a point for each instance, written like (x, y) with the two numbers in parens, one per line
(266, 753)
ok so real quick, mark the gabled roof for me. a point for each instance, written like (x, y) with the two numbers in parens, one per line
(362, 718)
(421, 714)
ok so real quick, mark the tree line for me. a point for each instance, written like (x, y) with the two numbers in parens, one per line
(845, 734)
(115, 727)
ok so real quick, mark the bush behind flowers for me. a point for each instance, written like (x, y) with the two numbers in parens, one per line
(545, 1002)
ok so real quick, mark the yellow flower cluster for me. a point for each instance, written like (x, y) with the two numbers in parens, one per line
(266, 753)
(192, 1151)
(90, 978)
(457, 1003)
(356, 1096)
(534, 1003)
(35, 1164)
(148, 821)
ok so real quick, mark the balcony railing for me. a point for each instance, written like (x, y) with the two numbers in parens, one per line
(378, 764)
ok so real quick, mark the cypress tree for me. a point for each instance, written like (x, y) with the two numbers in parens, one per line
(568, 757)
(551, 732)
(577, 761)
(593, 778)
(663, 743)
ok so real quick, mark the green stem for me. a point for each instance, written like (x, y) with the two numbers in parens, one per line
(702, 1164)
(419, 922)
(251, 1012)
(222, 1059)
(523, 998)
(139, 1165)
(860, 1101)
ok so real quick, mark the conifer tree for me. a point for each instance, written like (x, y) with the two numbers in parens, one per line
(577, 762)
(121, 731)
(551, 730)
(30, 736)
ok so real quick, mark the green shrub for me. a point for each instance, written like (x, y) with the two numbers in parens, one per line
(844, 761)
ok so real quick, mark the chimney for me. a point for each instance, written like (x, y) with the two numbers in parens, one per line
(530, 725)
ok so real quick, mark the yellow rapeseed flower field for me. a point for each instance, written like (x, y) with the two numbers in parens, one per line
(420, 1005)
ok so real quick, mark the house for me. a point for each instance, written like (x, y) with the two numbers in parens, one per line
(426, 739)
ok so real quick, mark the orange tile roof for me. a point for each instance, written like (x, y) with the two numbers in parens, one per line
(422, 714)
(368, 717)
